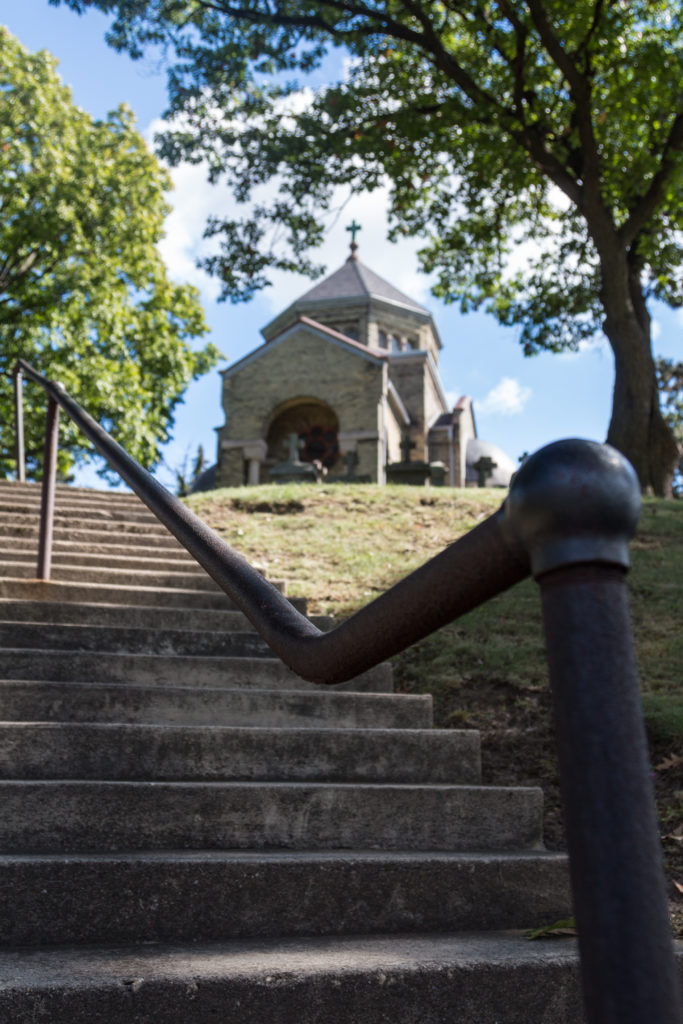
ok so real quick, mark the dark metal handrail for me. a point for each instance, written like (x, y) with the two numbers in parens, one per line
(568, 519)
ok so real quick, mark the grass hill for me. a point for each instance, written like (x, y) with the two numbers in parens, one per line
(340, 545)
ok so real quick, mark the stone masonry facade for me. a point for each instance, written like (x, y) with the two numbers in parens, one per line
(350, 370)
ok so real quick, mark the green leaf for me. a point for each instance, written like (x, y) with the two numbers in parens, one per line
(556, 930)
(84, 294)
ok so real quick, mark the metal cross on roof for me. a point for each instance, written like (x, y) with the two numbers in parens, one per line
(354, 229)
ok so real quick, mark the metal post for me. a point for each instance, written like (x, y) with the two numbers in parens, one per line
(20, 459)
(47, 498)
(576, 505)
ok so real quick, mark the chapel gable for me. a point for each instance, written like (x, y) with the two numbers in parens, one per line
(345, 386)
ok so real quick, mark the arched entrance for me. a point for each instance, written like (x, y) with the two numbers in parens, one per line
(316, 425)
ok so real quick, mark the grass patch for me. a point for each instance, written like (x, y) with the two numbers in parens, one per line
(340, 545)
(664, 717)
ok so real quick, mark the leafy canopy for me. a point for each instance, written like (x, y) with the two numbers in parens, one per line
(84, 294)
(553, 125)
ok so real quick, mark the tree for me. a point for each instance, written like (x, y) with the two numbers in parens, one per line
(84, 294)
(187, 478)
(556, 125)
(670, 382)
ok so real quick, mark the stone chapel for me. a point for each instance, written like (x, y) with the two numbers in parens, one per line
(349, 373)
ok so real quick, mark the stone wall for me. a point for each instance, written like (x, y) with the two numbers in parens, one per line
(440, 451)
(307, 366)
(394, 436)
(465, 429)
(408, 374)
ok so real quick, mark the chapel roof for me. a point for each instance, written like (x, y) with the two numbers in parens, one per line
(354, 280)
(351, 284)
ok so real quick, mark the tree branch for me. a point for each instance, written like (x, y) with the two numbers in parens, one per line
(562, 60)
(535, 144)
(15, 269)
(584, 46)
(444, 61)
(315, 22)
(592, 204)
(654, 194)
(517, 63)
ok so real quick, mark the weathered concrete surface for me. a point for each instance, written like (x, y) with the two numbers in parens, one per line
(61, 750)
(96, 544)
(31, 701)
(16, 511)
(173, 670)
(202, 896)
(119, 593)
(133, 616)
(103, 523)
(244, 863)
(149, 559)
(76, 532)
(468, 979)
(132, 640)
(64, 492)
(123, 616)
(89, 817)
(28, 495)
(187, 578)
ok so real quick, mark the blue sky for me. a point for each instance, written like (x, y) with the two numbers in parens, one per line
(520, 404)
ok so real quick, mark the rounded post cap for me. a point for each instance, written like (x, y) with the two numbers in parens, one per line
(573, 502)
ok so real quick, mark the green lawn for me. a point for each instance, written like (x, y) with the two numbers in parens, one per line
(340, 545)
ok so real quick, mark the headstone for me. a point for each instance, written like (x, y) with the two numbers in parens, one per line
(406, 447)
(407, 472)
(437, 474)
(484, 467)
(351, 460)
(293, 470)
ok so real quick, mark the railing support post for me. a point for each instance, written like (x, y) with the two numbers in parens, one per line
(47, 497)
(19, 456)
(575, 505)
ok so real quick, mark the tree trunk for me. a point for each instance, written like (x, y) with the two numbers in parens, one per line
(637, 427)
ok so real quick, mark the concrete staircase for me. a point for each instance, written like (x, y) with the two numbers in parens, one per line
(190, 833)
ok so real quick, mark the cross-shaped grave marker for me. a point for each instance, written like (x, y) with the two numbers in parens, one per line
(406, 447)
(350, 460)
(484, 467)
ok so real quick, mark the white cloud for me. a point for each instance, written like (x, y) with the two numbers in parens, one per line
(395, 262)
(194, 199)
(507, 398)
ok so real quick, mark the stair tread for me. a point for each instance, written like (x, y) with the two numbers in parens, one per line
(376, 979)
(256, 857)
(400, 846)
(82, 965)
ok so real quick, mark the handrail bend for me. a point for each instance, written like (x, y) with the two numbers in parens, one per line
(470, 571)
(571, 511)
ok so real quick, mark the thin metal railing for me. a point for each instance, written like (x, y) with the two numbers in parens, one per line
(568, 519)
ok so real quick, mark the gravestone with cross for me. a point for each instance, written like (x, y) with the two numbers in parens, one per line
(293, 470)
(406, 447)
(484, 467)
(351, 460)
(407, 471)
